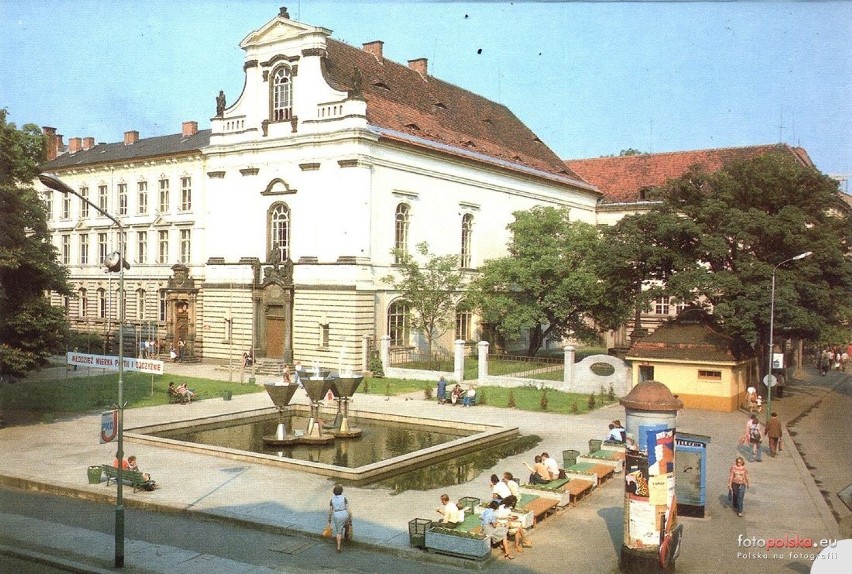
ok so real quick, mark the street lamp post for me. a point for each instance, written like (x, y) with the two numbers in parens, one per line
(115, 262)
(771, 331)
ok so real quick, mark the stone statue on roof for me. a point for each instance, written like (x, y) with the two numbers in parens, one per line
(220, 104)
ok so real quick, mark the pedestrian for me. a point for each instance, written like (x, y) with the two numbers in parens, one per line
(442, 391)
(754, 437)
(181, 349)
(780, 381)
(773, 431)
(737, 484)
(339, 515)
(297, 374)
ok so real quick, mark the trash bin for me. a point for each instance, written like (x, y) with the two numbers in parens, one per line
(467, 504)
(94, 473)
(227, 395)
(417, 531)
(594, 445)
(569, 457)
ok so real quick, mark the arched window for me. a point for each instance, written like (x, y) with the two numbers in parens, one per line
(464, 322)
(400, 240)
(102, 303)
(278, 230)
(398, 323)
(282, 95)
(466, 240)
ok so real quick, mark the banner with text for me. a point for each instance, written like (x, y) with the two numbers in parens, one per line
(111, 363)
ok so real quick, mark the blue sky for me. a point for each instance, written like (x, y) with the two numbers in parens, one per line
(590, 79)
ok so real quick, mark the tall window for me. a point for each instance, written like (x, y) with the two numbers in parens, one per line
(162, 306)
(141, 247)
(84, 302)
(464, 320)
(84, 249)
(661, 306)
(400, 240)
(185, 245)
(185, 193)
(48, 204)
(142, 199)
(282, 95)
(102, 247)
(66, 249)
(84, 205)
(140, 304)
(103, 198)
(398, 323)
(122, 199)
(164, 196)
(66, 206)
(466, 236)
(162, 246)
(102, 303)
(324, 335)
(679, 307)
(279, 229)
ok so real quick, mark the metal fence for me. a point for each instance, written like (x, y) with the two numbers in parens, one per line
(414, 358)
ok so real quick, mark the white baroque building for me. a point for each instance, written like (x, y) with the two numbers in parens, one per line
(273, 229)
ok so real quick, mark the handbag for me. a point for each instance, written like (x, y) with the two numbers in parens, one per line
(731, 495)
(347, 532)
(326, 533)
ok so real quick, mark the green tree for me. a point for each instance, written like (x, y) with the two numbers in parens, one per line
(548, 285)
(749, 217)
(30, 329)
(430, 288)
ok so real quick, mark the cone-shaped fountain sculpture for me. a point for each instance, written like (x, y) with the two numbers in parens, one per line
(317, 385)
(281, 395)
(345, 385)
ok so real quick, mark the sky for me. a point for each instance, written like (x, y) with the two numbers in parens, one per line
(589, 78)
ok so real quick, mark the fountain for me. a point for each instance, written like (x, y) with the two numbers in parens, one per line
(281, 395)
(344, 387)
(317, 386)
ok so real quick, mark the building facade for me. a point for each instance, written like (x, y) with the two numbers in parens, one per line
(272, 231)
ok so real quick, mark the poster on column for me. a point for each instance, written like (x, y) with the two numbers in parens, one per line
(660, 452)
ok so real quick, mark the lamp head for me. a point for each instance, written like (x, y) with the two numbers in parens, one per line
(115, 261)
(53, 182)
(803, 255)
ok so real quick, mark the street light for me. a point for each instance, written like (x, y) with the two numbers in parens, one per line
(114, 262)
(769, 378)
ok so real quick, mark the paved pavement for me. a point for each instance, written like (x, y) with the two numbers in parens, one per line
(784, 499)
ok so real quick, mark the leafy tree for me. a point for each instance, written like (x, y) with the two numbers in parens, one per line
(630, 151)
(30, 329)
(749, 217)
(548, 284)
(430, 289)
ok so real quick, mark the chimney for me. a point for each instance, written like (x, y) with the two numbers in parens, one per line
(189, 129)
(88, 143)
(74, 145)
(419, 65)
(131, 137)
(375, 48)
(52, 143)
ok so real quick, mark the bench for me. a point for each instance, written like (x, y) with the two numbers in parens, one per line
(577, 488)
(540, 508)
(175, 397)
(135, 478)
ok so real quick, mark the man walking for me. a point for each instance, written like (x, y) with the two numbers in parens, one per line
(773, 431)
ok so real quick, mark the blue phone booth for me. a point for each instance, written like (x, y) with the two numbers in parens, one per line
(691, 470)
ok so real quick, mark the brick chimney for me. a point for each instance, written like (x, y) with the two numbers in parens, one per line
(88, 143)
(419, 65)
(74, 145)
(131, 137)
(375, 48)
(52, 142)
(189, 129)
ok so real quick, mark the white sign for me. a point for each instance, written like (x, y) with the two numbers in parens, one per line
(777, 360)
(111, 363)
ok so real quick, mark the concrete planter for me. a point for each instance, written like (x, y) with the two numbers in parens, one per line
(460, 544)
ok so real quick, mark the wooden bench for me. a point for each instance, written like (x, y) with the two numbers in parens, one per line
(175, 397)
(577, 488)
(135, 478)
(540, 508)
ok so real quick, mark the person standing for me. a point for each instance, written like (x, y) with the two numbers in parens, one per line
(754, 437)
(339, 516)
(773, 431)
(442, 391)
(737, 484)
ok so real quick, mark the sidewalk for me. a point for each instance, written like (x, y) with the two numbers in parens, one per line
(783, 501)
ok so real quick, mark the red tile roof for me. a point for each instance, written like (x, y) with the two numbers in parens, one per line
(623, 178)
(410, 108)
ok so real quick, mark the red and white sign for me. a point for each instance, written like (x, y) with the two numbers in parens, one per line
(111, 363)
(109, 426)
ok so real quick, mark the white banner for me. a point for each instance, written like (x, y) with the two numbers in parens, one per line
(111, 363)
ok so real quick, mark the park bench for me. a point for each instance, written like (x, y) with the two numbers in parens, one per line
(175, 397)
(136, 479)
(577, 488)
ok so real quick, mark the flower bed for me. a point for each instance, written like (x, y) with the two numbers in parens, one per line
(457, 543)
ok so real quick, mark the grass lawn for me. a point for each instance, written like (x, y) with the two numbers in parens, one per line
(530, 399)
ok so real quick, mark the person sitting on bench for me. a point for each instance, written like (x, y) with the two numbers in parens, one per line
(449, 511)
(132, 466)
(539, 473)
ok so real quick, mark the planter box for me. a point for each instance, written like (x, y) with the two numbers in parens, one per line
(455, 545)
(417, 531)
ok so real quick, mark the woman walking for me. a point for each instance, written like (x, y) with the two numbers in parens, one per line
(339, 516)
(737, 484)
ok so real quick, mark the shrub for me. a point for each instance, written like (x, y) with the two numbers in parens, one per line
(543, 401)
(574, 408)
(592, 402)
(510, 403)
(611, 394)
(387, 390)
(602, 395)
(376, 365)
(427, 391)
(480, 398)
